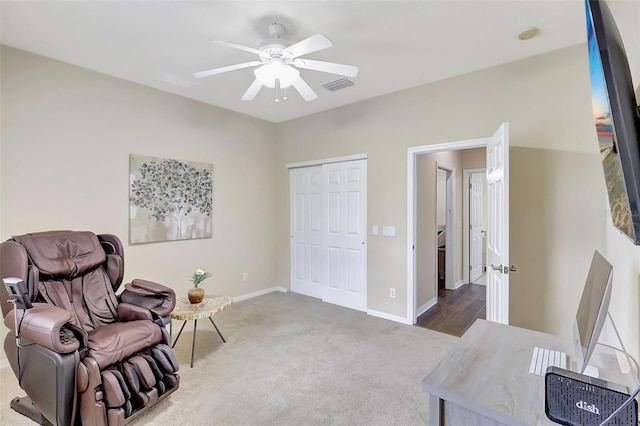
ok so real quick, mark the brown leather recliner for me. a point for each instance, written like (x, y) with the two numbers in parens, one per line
(83, 354)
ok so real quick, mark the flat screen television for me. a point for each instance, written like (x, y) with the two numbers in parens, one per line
(617, 117)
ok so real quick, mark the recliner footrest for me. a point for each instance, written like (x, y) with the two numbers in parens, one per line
(116, 391)
(142, 369)
(157, 373)
(139, 398)
(165, 358)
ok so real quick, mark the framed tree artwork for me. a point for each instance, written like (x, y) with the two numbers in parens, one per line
(169, 199)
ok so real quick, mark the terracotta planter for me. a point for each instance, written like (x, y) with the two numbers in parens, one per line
(195, 295)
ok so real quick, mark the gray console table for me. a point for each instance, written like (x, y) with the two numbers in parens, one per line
(485, 380)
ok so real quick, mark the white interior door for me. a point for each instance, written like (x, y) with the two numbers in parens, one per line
(306, 231)
(345, 235)
(328, 252)
(498, 226)
(475, 226)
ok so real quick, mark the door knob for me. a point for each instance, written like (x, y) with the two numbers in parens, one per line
(512, 268)
(504, 269)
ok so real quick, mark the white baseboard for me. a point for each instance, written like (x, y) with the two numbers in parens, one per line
(4, 363)
(456, 285)
(424, 308)
(385, 315)
(259, 293)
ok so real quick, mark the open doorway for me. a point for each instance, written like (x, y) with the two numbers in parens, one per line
(422, 293)
(454, 303)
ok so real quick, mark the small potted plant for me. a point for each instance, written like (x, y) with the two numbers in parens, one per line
(196, 294)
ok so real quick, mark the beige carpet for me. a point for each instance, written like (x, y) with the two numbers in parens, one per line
(292, 360)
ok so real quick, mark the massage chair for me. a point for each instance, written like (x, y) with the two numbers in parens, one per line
(83, 354)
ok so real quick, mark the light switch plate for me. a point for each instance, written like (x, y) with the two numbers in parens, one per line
(389, 231)
(374, 230)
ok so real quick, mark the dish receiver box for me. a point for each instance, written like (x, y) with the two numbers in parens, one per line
(573, 399)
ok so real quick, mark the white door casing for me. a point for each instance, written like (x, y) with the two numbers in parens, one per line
(498, 226)
(475, 226)
(411, 213)
(328, 253)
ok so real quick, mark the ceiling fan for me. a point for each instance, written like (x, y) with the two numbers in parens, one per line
(279, 61)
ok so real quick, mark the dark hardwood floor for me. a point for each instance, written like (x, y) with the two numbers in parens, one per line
(456, 310)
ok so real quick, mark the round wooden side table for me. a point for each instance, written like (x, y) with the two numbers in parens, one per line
(208, 308)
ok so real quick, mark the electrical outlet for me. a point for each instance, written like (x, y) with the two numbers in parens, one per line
(245, 276)
(392, 293)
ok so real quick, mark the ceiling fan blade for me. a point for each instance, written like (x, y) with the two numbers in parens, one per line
(308, 45)
(239, 46)
(305, 91)
(252, 91)
(330, 67)
(227, 68)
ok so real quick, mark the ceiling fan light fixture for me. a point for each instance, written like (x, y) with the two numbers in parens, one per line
(276, 69)
(280, 63)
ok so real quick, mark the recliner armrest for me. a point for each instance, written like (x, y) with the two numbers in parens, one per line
(155, 297)
(129, 312)
(43, 324)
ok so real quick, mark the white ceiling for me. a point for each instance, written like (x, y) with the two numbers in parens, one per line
(396, 44)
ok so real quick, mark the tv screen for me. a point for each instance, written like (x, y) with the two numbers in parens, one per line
(616, 116)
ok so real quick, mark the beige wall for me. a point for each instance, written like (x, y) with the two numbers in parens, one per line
(546, 100)
(427, 213)
(475, 158)
(66, 138)
(67, 132)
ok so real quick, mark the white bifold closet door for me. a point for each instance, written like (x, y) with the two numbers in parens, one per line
(328, 232)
